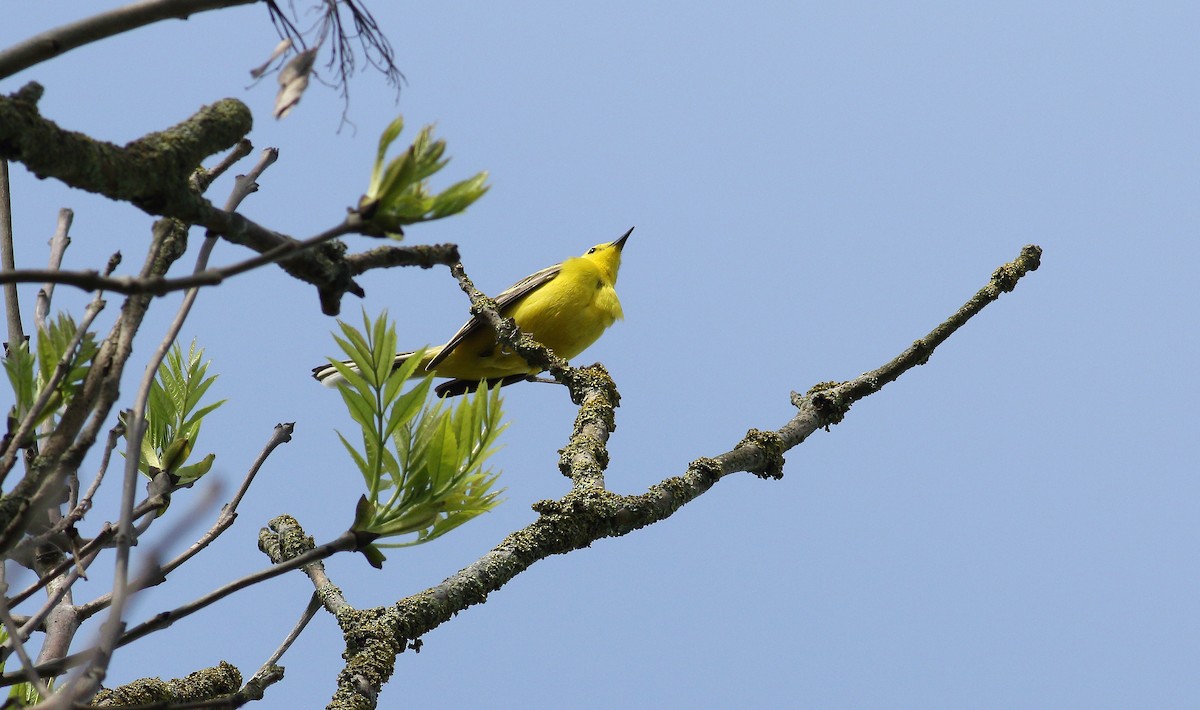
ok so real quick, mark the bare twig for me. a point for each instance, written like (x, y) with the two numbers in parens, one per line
(314, 603)
(158, 286)
(12, 308)
(27, 669)
(136, 425)
(246, 185)
(58, 246)
(345, 542)
(56, 596)
(62, 39)
(78, 510)
(281, 435)
(827, 403)
(203, 177)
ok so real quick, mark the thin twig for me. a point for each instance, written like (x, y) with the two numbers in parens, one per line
(58, 247)
(14, 633)
(425, 256)
(111, 630)
(281, 434)
(345, 542)
(35, 621)
(203, 177)
(90, 280)
(12, 308)
(52, 43)
(78, 510)
(314, 604)
(245, 185)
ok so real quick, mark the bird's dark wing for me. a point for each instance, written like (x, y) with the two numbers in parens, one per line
(506, 298)
(453, 388)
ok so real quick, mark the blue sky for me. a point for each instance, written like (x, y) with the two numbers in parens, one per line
(1012, 525)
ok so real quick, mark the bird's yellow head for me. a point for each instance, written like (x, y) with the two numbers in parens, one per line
(607, 256)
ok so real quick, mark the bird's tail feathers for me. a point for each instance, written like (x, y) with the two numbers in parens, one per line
(330, 377)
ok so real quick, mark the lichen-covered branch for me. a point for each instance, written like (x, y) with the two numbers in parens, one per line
(425, 256)
(153, 173)
(588, 513)
(206, 684)
(506, 329)
(157, 173)
(828, 402)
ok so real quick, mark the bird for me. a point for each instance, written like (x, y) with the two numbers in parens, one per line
(565, 307)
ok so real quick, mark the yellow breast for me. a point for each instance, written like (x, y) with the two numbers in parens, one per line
(571, 312)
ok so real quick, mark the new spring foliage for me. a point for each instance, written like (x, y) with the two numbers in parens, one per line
(399, 193)
(422, 461)
(174, 415)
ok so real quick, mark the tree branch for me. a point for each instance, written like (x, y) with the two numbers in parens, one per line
(59, 40)
(589, 513)
(11, 630)
(12, 309)
(425, 256)
(86, 413)
(200, 687)
(58, 247)
(344, 543)
(153, 173)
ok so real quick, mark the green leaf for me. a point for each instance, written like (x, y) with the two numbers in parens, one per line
(398, 194)
(459, 196)
(188, 475)
(19, 365)
(174, 415)
(419, 459)
(359, 460)
(407, 405)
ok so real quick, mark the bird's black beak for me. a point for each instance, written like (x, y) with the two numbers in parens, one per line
(620, 243)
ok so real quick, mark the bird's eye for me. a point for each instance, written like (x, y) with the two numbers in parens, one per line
(592, 250)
